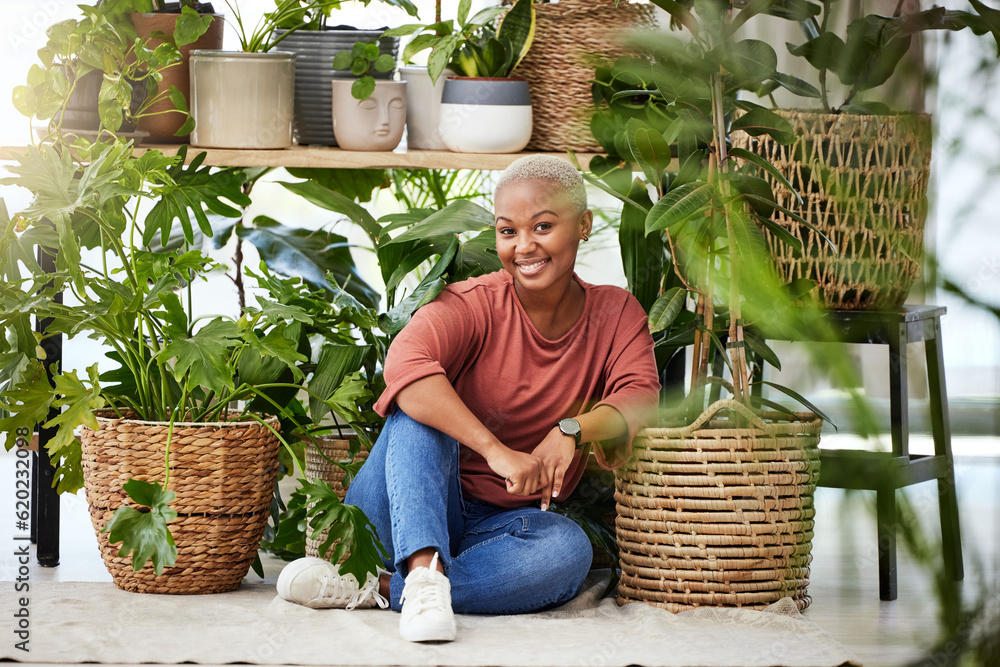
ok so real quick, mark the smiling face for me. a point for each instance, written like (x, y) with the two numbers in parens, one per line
(538, 231)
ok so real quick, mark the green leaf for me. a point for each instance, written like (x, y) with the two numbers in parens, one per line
(27, 403)
(665, 310)
(760, 346)
(992, 19)
(309, 255)
(752, 8)
(753, 158)
(824, 52)
(760, 121)
(678, 205)
(750, 60)
(145, 534)
(783, 235)
(79, 403)
(642, 254)
(194, 188)
(441, 55)
(795, 85)
(355, 184)
(385, 63)
(457, 217)
(320, 193)
(517, 31)
(349, 530)
(801, 399)
(872, 51)
(649, 149)
(363, 88)
(394, 321)
(343, 61)
(201, 358)
(191, 26)
(336, 361)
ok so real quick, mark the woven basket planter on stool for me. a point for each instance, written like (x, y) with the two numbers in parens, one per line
(223, 475)
(719, 512)
(318, 467)
(569, 36)
(863, 180)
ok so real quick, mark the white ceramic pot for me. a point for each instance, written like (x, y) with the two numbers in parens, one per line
(423, 108)
(485, 115)
(242, 100)
(373, 124)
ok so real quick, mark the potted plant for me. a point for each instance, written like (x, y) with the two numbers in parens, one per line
(863, 168)
(368, 114)
(188, 25)
(690, 529)
(245, 99)
(94, 76)
(484, 94)
(315, 44)
(168, 446)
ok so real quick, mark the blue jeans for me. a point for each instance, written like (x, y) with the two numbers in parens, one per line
(498, 560)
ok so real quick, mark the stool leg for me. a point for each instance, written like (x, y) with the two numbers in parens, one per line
(885, 501)
(898, 392)
(951, 535)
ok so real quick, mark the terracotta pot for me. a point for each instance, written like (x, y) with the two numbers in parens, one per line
(163, 126)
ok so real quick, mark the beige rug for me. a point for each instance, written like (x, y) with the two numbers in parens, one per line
(93, 622)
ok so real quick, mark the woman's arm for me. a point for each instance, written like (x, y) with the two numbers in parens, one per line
(557, 449)
(433, 401)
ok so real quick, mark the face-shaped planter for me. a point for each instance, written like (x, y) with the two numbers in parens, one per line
(373, 124)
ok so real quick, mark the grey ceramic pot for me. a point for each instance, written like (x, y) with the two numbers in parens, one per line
(314, 50)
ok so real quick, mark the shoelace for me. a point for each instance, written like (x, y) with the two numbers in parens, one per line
(427, 590)
(343, 591)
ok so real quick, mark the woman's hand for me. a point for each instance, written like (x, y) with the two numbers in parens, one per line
(524, 473)
(556, 453)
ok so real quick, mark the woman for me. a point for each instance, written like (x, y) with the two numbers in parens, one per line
(491, 392)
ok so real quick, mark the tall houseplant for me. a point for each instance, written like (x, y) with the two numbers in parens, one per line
(862, 166)
(689, 526)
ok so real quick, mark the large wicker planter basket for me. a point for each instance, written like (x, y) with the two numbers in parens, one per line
(223, 475)
(318, 467)
(863, 181)
(718, 513)
(571, 38)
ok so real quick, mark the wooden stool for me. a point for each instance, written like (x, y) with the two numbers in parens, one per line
(884, 472)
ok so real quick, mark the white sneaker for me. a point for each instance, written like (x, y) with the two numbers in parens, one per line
(426, 599)
(317, 583)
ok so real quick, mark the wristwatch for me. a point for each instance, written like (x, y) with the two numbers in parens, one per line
(570, 427)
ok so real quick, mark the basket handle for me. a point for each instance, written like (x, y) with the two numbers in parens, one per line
(731, 405)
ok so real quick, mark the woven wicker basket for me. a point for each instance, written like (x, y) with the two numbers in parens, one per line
(318, 467)
(719, 514)
(571, 38)
(863, 181)
(223, 475)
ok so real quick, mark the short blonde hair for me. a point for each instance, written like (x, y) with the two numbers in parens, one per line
(550, 169)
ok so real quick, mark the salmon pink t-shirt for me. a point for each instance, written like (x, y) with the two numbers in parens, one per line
(520, 384)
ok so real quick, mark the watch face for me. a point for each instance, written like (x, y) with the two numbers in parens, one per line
(570, 427)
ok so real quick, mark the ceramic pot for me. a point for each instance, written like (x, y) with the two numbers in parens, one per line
(423, 108)
(242, 100)
(81, 115)
(164, 124)
(314, 51)
(372, 124)
(481, 115)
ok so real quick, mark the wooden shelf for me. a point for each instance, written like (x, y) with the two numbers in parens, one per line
(325, 158)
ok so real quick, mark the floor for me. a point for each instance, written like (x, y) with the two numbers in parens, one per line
(843, 580)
